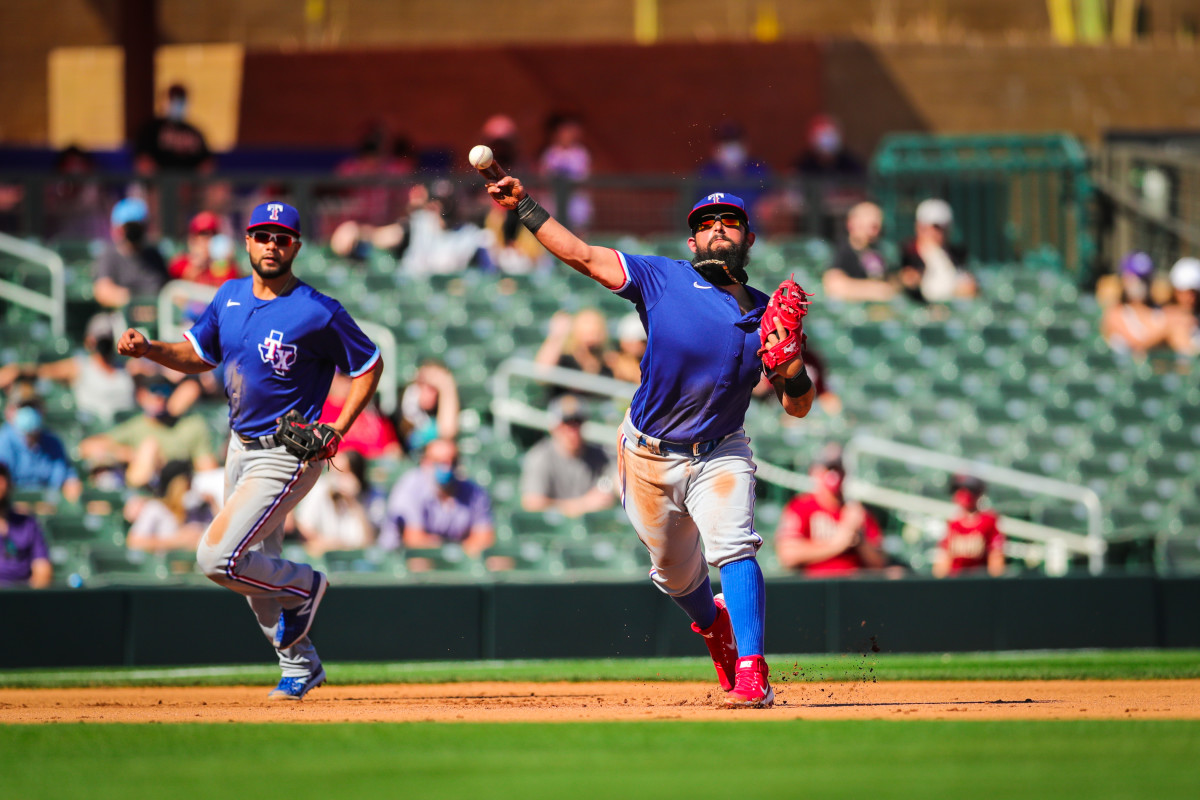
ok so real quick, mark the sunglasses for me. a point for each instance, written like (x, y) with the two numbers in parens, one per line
(281, 239)
(727, 220)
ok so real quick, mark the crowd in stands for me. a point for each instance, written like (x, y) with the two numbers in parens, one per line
(148, 439)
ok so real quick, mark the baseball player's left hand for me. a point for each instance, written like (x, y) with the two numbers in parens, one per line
(507, 192)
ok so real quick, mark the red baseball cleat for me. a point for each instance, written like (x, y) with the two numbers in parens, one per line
(722, 645)
(752, 688)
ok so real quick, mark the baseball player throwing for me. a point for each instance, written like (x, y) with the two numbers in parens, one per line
(279, 341)
(686, 470)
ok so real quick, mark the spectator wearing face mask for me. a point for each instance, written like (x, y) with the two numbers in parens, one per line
(826, 155)
(130, 269)
(732, 167)
(36, 457)
(973, 541)
(208, 258)
(170, 142)
(99, 381)
(932, 269)
(433, 504)
(823, 535)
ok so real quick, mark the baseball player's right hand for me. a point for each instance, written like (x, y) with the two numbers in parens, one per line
(507, 192)
(133, 344)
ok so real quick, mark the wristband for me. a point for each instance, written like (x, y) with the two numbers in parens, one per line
(532, 215)
(797, 386)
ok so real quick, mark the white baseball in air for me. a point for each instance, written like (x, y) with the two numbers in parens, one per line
(480, 156)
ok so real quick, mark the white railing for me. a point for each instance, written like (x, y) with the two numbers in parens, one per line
(1056, 543)
(53, 305)
(1047, 544)
(176, 294)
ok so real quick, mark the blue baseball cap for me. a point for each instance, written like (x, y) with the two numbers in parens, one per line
(715, 203)
(131, 209)
(280, 215)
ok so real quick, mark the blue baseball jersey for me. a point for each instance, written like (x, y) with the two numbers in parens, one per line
(278, 354)
(701, 362)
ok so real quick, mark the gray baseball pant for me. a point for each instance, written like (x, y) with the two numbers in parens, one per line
(678, 502)
(242, 547)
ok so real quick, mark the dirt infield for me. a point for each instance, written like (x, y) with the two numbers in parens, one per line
(574, 702)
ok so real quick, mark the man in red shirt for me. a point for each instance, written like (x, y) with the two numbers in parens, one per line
(208, 258)
(972, 539)
(823, 535)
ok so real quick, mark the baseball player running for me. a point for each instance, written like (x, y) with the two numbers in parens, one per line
(684, 461)
(279, 340)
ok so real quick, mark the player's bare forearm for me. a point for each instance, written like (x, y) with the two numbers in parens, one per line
(179, 356)
(793, 406)
(598, 263)
(362, 389)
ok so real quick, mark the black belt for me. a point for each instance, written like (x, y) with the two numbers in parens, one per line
(257, 442)
(682, 448)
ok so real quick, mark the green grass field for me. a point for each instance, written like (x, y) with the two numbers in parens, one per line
(1091, 665)
(849, 759)
(744, 756)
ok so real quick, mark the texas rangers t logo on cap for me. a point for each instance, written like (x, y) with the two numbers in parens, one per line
(718, 203)
(716, 197)
(279, 215)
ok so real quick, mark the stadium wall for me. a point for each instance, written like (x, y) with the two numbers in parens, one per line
(167, 626)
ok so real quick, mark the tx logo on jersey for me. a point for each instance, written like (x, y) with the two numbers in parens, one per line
(275, 210)
(280, 356)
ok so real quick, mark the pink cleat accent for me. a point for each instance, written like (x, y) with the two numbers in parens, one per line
(753, 687)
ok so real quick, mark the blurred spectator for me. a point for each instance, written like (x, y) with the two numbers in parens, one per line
(99, 382)
(826, 155)
(972, 540)
(372, 435)
(429, 407)
(500, 133)
(513, 249)
(432, 240)
(578, 343)
(625, 362)
(36, 457)
(209, 255)
(130, 269)
(334, 515)
(24, 554)
(169, 142)
(174, 519)
(140, 446)
(1135, 325)
(566, 159)
(731, 167)
(931, 269)
(432, 504)
(563, 472)
(1183, 315)
(821, 534)
(858, 271)
(375, 157)
(75, 201)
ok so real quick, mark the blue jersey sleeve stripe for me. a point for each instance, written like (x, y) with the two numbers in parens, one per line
(365, 367)
(625, 270)
(199, 351)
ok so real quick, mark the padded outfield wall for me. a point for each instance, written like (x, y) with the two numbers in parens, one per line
(168, 626)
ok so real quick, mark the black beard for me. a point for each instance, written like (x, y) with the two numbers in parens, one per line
(281, 267)
(723, 267)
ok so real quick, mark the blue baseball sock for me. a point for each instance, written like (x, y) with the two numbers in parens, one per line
(699, 605)
(746, 599)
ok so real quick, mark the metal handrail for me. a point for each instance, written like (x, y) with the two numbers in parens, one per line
(55, 305)
(1053, 543)
(385, 340)
(1059, 541)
